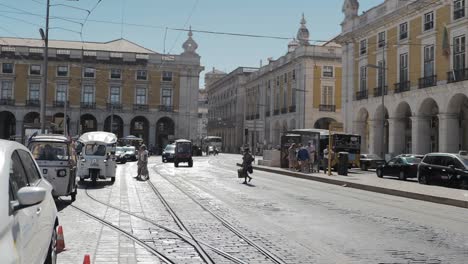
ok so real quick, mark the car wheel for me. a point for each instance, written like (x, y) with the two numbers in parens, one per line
(73, 196)
(52, 253)
(422, 179)
(112, 179)
(402, 176)
(464, 184)
(190, 163)
(379, 173)
(176, 164)
(124, 161)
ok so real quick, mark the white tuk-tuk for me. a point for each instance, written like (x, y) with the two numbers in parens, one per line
(56, 157)
(97, 157)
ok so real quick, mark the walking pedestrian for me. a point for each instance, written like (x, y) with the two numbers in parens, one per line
(143, 163)
(325, 159)
(311, 150)
(303, 158)
(247, 160)
(292, 156)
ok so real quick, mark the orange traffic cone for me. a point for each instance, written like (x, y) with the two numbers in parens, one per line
(87, 259)
(60, 240)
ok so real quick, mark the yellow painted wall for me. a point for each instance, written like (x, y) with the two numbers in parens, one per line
(391, 54)
(371, 59)
(74, 86)
(415, 59)
(128, 87)
(154, 88)
(102, 85)
(338, 73)
(442, 62)
(21, 83)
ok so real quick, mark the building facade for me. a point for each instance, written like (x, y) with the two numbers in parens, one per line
(226, 104)
(115, 86)
(413, 53)
(202, 131)
(301, 89)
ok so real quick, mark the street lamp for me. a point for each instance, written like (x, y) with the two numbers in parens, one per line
(45, 37)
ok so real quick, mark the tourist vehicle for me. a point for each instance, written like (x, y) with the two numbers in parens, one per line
(370, 161)
(183, 152)
(216, 142)
(444, 168)
(168, 153)
(55, 156)
(97, 157)
(28, 215)
(120, 155)
(403, 167)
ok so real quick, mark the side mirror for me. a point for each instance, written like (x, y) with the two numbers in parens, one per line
(29, 196)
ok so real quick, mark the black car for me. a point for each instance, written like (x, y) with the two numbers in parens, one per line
(168, 153)
(403, 166)
(444, 168)
(370, 161)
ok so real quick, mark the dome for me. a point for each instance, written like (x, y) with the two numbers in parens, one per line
(303, 32)
(190, 46)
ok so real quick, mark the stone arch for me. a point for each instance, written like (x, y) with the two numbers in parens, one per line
(139, 127)
(400, 126)
(116, 127)
(32, 118)
(361, 127)
(8, 128)
(165, 128)
(380, 137)
(427, 122)
(324, 123)
(88, 123)
(454, 125)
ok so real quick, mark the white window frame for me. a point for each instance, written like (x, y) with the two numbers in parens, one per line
(93, 70)
(12, 89)
(455, 9)
(426, 15)
(429, 59)
(400, 68)
(163, 96)
(400, 31)
(363, 43)
(84, 92)
(58, 70)
(112, 72)
(167, 74)
(363, 78)
(35, 65)
(38, 90)
(13, 68)
(57, 91)
(111, 87)
(137, 75)
(381, 39)
(324, 71)
(141, 87)
(453, 51)
(322, 94)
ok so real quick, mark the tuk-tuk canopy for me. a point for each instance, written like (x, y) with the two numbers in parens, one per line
(183, 141)
(103, 137)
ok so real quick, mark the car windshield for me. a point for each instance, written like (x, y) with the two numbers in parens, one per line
(119, 150)
(95, 150)
(50, 151)
(464, 159)
(183, 148)
(412, 160)
(169, 147)
(129, 149)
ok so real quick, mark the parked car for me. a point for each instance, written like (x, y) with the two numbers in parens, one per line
(28, 215)
(168, 153)
(130, 153)
(120, 155)
(370, 161)
(403, 166)
(444, 168)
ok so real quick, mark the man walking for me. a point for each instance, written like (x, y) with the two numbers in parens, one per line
(303, 158)
(325, 159)
(311, 150)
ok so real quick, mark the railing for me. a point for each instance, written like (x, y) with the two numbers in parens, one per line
(60, 104)
(33, 102)
(457, 75)
(361, 95)
(140, 107)
(428, 81)
(292, 109)
(88, 105)
(402, 86)
(114, 106)
(276, 112)
(267, 113)
(7, 101)
(327, 108)
(257, 116)
(378, 91)
(284, 110)
(164, 108)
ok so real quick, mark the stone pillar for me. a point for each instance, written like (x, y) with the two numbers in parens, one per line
(19, 128)
(396, 136)
(374, 137)
(152, 134)
(449, 133)
(420, 134)
(359, 127)
(100, 126)
(126, 130)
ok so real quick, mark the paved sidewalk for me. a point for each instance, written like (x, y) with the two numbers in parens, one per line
(407, 189)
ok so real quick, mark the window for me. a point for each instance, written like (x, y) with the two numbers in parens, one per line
(18, 177)
(293, 96)
(381, 78)
(285, 78)
(294, 74)
(116, 73)
(6, 90)
(35, 69)
(61, 92)
(88, 94)
(277, 97)
(381, 39)
(30, 167)
(141, 95)
(115, 94)
(327, 71)
(363, 47)
(167, 76)
(89, 72)
(62, 71)
(458, 9)
(167, 97)
(428, 21)
(327, 95)
(268, 97)
(403, 31)
(428, 61)
(459, 48)
(403, 67)
(363, 79)
(285, 96)
(277, 81)
(50, 151)
(7, 67)
(34, 90)
(141, 75)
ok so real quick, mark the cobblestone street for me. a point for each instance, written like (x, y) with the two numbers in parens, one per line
(205, 214)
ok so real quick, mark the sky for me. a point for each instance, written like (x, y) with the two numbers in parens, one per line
(144, 22)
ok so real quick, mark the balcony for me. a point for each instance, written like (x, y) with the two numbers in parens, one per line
(378, 91)
(59, 104)
(88, 105)
(142, 107)
(7, 101)
(267, 113)
(33, 102)
(292, 109)
(457, 75)
(402, 86)
(327, 108)
(276, 112)
(257, 116)
(284, 110)
(361, 95)
(114, 106)
(163, 108)
(428, 81)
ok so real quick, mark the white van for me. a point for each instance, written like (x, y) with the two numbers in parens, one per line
(97, 157)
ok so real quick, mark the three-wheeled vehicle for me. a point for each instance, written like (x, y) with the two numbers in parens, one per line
(183, 152)
(97, 157)
(56, 157)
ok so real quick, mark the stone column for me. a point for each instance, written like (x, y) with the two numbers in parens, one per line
(396, 136)
(449, 133)
(152, 133)
(420, 134)
(126, 130)
(19, 128)
(359, 127)
(374, 137)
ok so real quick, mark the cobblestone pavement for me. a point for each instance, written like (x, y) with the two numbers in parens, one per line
(299, 221)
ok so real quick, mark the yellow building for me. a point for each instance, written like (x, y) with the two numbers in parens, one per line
(138, 91)
(414, 53)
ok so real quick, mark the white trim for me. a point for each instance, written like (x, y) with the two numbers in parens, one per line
(434, 21)
(8, 62)
(146, 93)
(452, 12)
(110, 74)
(35, 64)
(84, 71)
(83, 91)
(29, 89)
(67, 94)
(57, 68)
(12, 87)
(428, 42)
(455, 33)
(109, 99)
(136, 75)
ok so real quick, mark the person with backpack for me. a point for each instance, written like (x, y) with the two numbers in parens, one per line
(303, 158)
(247, 161)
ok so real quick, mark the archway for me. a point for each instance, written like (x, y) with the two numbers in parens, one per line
(454, 125)
(427, 128)
(8, 128)
(379, 136)
(164, 132)
(58, 124)
(88, 123)
(139, 127)
(323, 123)
(401, 130)
(32, 118)
(361, 127)
(117, 125)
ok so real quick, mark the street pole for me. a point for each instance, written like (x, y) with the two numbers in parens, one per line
(46, 64)
(65, 124)
(383, 101)
(304, 101)
(112, 118)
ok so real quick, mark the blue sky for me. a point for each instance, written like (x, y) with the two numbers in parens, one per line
(263, 17)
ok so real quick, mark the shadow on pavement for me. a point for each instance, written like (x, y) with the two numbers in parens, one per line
(94, 185)
(62, 204)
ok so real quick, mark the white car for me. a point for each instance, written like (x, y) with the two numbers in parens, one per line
(28, 215)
